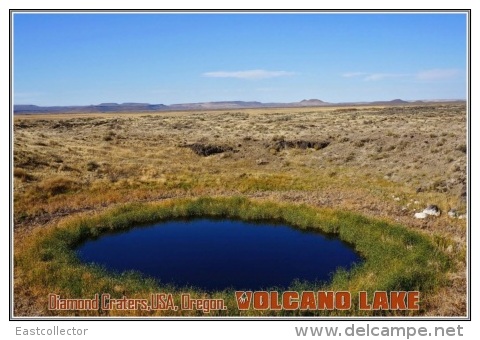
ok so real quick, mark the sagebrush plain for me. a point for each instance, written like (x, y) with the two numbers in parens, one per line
(382, 162)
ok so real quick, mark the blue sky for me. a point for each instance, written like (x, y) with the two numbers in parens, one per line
(83, 59)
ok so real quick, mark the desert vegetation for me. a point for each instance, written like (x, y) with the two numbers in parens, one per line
(372, 165)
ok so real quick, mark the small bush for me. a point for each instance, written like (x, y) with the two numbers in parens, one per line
(350, 157)
(462, 148)
(57, 185)
(23, 175)
(92, 166)
(109, 136)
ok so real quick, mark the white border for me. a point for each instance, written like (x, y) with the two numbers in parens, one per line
(223, 329)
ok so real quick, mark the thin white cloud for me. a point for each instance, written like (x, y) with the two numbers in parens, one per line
(353, 74)
(426, 75)
(437, 74)
(381, 76)
(249, 74)
(373, 76)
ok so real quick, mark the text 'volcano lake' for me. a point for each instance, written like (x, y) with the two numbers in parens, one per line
(218, 254)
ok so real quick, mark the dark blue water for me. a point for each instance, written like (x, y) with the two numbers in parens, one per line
(218, 254)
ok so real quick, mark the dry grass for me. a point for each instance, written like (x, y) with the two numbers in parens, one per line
(386, 162)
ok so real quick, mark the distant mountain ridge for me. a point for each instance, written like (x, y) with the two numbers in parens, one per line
(103, 107)
(145, 107)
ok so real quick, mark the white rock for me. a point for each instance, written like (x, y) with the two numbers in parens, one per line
(432, 210)
(452, 213)
(420, 215)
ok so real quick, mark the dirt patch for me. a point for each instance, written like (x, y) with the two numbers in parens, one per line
(299, 144)
(207, 149)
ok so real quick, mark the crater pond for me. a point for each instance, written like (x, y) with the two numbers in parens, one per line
(217, 254)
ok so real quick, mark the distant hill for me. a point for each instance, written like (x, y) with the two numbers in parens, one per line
(391, 102)
(216, 105)
(104, 107)
(312, 102)
(145, 107)
(242, 104)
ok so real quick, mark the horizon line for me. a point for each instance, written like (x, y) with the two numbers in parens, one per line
(247, 101)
